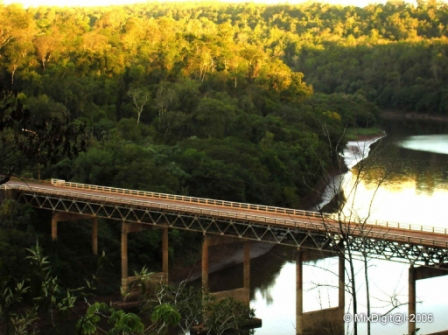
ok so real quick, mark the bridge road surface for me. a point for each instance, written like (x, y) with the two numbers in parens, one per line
(302, 220)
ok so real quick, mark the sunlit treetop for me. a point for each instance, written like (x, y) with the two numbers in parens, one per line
(91, 3)
(70, 3)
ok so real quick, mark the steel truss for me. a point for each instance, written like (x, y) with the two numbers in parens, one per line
(238, 228)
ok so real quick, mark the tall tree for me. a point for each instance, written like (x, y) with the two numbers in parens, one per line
(140, 97)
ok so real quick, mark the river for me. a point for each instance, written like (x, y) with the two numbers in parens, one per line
(404, 179)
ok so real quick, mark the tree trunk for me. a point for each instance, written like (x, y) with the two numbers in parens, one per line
(13, 72)
(366, 277)
(353, 283)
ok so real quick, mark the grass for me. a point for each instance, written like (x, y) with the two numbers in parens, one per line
(354, 134)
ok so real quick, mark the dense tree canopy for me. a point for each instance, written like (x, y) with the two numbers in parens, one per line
(394, 54)
(242, 102)
(164, 96)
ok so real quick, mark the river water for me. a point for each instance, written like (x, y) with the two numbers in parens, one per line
(404, 179)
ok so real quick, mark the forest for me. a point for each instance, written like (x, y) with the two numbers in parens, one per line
(242, 102)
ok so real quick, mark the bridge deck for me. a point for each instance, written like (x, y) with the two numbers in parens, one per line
(261, 215)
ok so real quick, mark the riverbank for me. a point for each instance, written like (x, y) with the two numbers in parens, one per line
(272, 298)
(228, 255)
(354, 152)
(364, 134)
(412, 116)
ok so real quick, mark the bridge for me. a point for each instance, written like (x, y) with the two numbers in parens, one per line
(135, 209)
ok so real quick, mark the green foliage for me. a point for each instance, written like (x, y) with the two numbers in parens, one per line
(136, 97)
(167, 314)
(175, 308)
(50, 296)
(226, 315)
(14, 215)
(181, 306)
(125, 323)
(404, 75)
(118, 321)
(15, 318)
(89, 60)
(241, 102)
(37, 298)
(168, 306)
(357, 133)
(36, 132)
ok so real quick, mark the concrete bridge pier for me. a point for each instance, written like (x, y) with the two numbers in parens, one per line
(65, 217)
(299, 293)
(204, 264)
(124, 256)
(417, 273)
(95, 236)
(246, 266)
(324, 321)
(54, 226)
(127, 228)
(6, 193)
(240, 294)
(165, 255)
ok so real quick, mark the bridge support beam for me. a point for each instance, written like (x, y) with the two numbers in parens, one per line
(246, 266)
(415, 274)
(328, 320)
(205, 244)
(95, 236)
(63, 217)
(241, 294)
(165, 252)
(54, 227)
(124, 256)
(299, 293)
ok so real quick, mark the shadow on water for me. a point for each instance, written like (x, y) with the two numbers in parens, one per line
(413, 182)
(264, 270)
(336, 204)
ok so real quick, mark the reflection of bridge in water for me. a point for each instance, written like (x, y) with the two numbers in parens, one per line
(220, 220)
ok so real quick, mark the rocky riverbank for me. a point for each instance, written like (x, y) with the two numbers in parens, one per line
(227, 255)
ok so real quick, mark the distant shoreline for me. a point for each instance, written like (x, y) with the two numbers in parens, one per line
(398, 115)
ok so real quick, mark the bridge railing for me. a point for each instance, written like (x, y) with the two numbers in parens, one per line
(411, 226)
(302, 223)
(290, 222)
(208, 201)
(232, 204)
(393, 225)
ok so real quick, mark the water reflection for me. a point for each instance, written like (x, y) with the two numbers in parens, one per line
(388, 284)
(278, 314)
(413, 171)
(320, 292)
(431, 143)
(401, 185)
